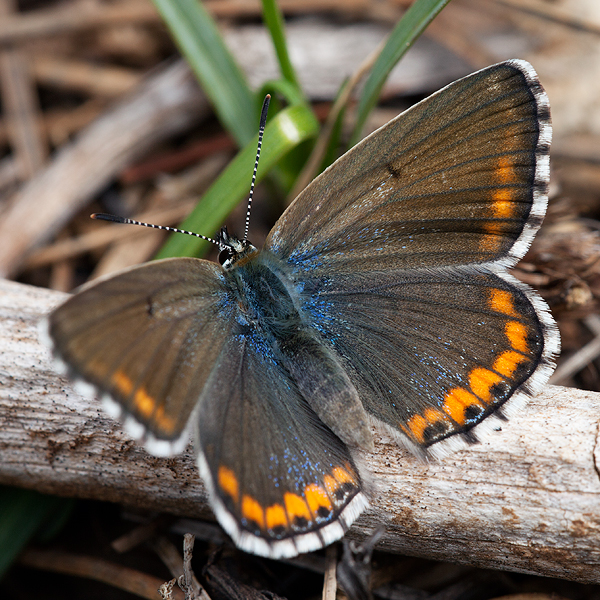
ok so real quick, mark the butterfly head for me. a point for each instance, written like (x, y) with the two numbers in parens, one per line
(232, 249)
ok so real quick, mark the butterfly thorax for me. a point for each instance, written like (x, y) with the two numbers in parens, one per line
(260, 288)
(265, 295)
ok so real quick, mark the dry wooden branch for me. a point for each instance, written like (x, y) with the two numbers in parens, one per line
(74, 17)
(165, 104)
(526, 499)
(84, 76)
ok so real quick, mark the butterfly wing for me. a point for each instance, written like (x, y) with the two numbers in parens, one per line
(401, 248)
(147, 339)
(434, 352)
(459, 178)
(280, 480)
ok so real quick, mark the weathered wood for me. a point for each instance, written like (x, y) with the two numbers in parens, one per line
(526, 499)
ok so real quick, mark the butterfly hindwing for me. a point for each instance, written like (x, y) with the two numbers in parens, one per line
(434, 352)
(282, 482)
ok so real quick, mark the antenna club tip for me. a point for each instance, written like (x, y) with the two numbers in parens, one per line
(105, 217)
(263, 112)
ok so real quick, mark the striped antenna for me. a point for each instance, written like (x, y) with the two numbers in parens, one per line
(261, 130)
(115, 219)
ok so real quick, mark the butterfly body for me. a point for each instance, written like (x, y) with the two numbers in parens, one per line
(381, 298)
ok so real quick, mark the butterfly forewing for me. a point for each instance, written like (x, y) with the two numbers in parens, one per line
(453, 180)
(149, 338)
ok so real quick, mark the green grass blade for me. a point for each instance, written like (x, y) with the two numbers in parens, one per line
(274, 21)
(284, 132)
(408, 29)
(222, 80)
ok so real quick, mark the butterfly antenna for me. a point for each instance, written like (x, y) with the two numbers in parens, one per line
(261, 130)
(115, 219)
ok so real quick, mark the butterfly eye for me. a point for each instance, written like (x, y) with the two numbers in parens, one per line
(225, 255)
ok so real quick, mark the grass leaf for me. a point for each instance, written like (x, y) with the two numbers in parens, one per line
(404, 35)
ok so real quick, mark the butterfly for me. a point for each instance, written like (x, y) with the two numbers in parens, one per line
(380, 298)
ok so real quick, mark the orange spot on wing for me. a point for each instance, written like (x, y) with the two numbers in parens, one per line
(144, 403)
(343, 475)
(502, 203)
(296, 507)
(502, 301)
(491, 241)
(416, 425)
(123, 383)
(517, 336)
(507, 363)
(275, 517)
(167, 424)
(253, 511)
(433, 415)
(228, 483)
(331, 485)
(456, 402)
(147, 408)
(481, 382)
(419, 423)
(316, 497)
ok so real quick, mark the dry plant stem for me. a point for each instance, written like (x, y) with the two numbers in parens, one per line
(551, 13)
(525, 499)
(177, 565)
(127, 252)
(130, 580)
(190, 183)
(9, 171)
(59, 125)
(166, 589)
(135, 537)
(316, 157)
(329, 581)
(75, 17)
(175, 161)
(21, 110)
(448, 29)
(350, 8)
(164, 105)
(583, 357)
(105, 235)
(169, 554)
(83, 76)
(188, 581)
